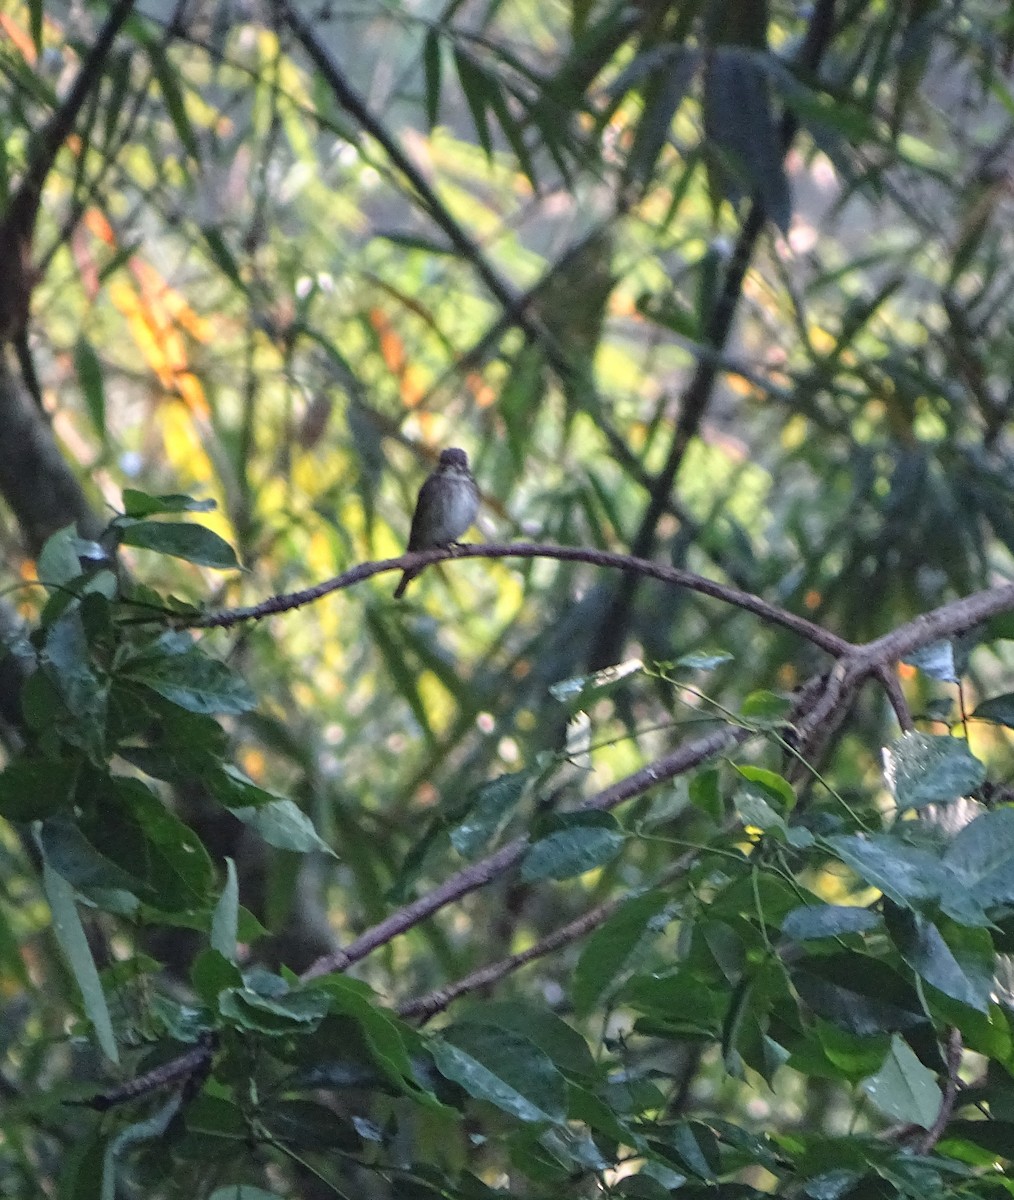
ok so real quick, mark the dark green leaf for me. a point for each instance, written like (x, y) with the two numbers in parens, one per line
(615, 948)
(502, 1068)
(961, 966)
(222, 256)
(564, 1045)
(211, 974)
(432, 71)
(998, 709)
(580, 846)
(982, 857)
(74, 943)
(139, 504)
(858, 993)
(168, 80)
(89, 374)
(283, 824)
(476, 87)
(738, 118)
(904, 873)
(194, 543)
(487, 812)
(194, 681)
(32, 789)
(293, 1013)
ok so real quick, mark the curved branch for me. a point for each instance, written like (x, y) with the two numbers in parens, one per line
(599, 558)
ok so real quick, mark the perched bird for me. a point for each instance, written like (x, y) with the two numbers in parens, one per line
(448, 503)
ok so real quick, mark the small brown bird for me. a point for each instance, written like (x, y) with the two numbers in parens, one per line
(448, 503)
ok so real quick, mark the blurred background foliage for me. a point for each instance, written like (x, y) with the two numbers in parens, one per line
(725, 284)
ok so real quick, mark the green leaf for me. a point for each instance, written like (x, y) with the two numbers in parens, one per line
(827, 920)
(168, 81)
(922, 769)
(616, 947)
(284, 825)
(89, 374)
(311, 1126)
(706, 793)
(58, 562)
(225, 919)
(139, 504)
(903, 1089)
(905, 874)
(212, 974)
(32, 789)
(195, 543)
(385, 1035)
(774, 787)
(487, 812)
(80, 862)
(222, 256)
(981, 856)
(296, 1012)
(476, 88)
(858, 993)
(998, 709)
(73, 942)
(581, 845)
(564, 1045)
(193, 680)
(503, 1068)
(67, 659)
(217, 1117)
(961, 966)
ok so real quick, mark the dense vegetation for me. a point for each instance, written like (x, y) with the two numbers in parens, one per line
(660, 842)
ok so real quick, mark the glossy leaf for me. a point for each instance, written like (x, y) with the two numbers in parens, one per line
(502, 1068)
(921, 769)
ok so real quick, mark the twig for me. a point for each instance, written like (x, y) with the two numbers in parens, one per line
(933, 1135)
(184, 1068)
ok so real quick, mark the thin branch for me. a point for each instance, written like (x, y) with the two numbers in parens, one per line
(681, 760)
(436, 1001)
(599, 558)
